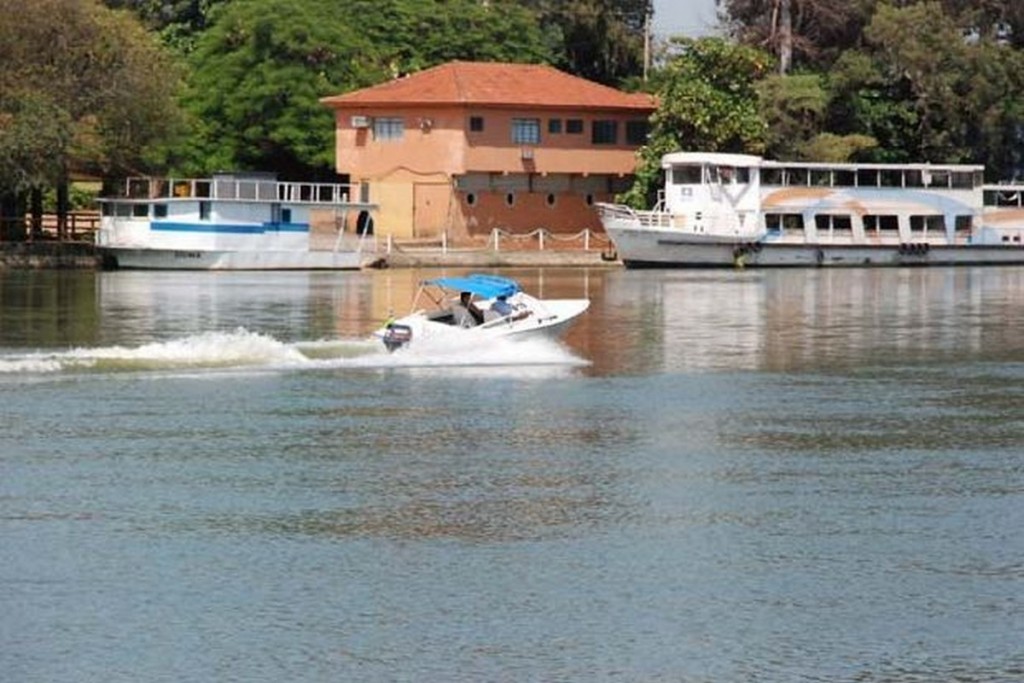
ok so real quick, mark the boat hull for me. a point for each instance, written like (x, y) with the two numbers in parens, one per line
(189, 259)
(647, 248)
(551, 322)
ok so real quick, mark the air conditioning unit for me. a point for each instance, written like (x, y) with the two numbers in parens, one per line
(360, 121)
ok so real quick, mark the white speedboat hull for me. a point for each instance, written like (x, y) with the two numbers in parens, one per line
(549, 322)
(506, 313)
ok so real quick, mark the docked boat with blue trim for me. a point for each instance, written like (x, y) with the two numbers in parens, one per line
(234, 221)
(474, 308)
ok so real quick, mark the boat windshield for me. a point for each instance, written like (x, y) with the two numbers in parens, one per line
(686, 175)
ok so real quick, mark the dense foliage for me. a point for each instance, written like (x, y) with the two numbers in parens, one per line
(869, 80)
(707, 101)
(83, 89)
(115, 86)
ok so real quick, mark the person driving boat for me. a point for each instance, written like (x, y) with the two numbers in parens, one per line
(466, 312)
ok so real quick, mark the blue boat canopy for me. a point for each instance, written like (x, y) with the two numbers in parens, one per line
(484, 286)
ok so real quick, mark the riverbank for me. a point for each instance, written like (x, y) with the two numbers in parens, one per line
(46, 254)
(83, 255)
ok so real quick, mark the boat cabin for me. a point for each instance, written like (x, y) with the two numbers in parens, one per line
(745, 196)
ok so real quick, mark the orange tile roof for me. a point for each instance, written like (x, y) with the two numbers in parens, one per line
(494, 84)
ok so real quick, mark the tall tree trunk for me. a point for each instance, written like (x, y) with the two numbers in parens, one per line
(36, 210)
(12, 217)
(62, 205)
(785, 36)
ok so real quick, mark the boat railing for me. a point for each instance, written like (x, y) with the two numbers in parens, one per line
(229, 188)
(648, 218)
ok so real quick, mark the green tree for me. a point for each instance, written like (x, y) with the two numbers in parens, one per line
(994, 98)
(707, 101)
(927, 92)
(794, 109)
(257, 76)
(259, 72)
(601, 40)
(410, 35)
(863, 102)
(83, 89)
(813, 33)
(179, 22)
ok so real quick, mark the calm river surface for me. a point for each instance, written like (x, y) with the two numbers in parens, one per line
(806, 475)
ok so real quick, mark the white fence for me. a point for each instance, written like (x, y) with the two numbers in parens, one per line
(540, 239)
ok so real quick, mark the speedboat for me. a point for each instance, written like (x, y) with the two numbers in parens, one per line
(475, 308)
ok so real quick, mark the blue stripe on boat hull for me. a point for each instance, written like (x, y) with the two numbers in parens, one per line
(228, 228)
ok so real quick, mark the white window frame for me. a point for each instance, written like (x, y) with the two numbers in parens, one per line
(388, 128)
(525, 131)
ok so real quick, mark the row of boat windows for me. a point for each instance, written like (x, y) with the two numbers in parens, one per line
(1007, 197)
(134, 210)
(157, 211)
(829, 177)
(879, 223)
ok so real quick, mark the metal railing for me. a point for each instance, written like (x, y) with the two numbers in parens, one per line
(228, 188)
(79, 226)
(498, 240)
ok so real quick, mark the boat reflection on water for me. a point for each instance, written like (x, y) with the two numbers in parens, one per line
(639, 321)
(813, 319)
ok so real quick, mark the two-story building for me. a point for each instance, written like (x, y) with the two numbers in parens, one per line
(468, 147)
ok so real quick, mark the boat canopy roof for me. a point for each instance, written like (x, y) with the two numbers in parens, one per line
(713, 158)
(485, 286)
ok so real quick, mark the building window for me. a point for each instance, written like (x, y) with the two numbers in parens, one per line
(388, 128)
(525, 131)
(476, 124)
(636, 132)
(554, 126)
(574, 126)
(604, 132)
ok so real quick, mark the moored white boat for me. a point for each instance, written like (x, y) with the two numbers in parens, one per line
(240, 221)
(742, 210)
(468, 310)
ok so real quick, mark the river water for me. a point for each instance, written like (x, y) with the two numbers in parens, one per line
(805, 475)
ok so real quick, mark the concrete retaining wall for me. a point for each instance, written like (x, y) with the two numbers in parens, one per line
(29, 255)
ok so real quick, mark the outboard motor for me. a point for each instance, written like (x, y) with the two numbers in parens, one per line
(396, 336)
